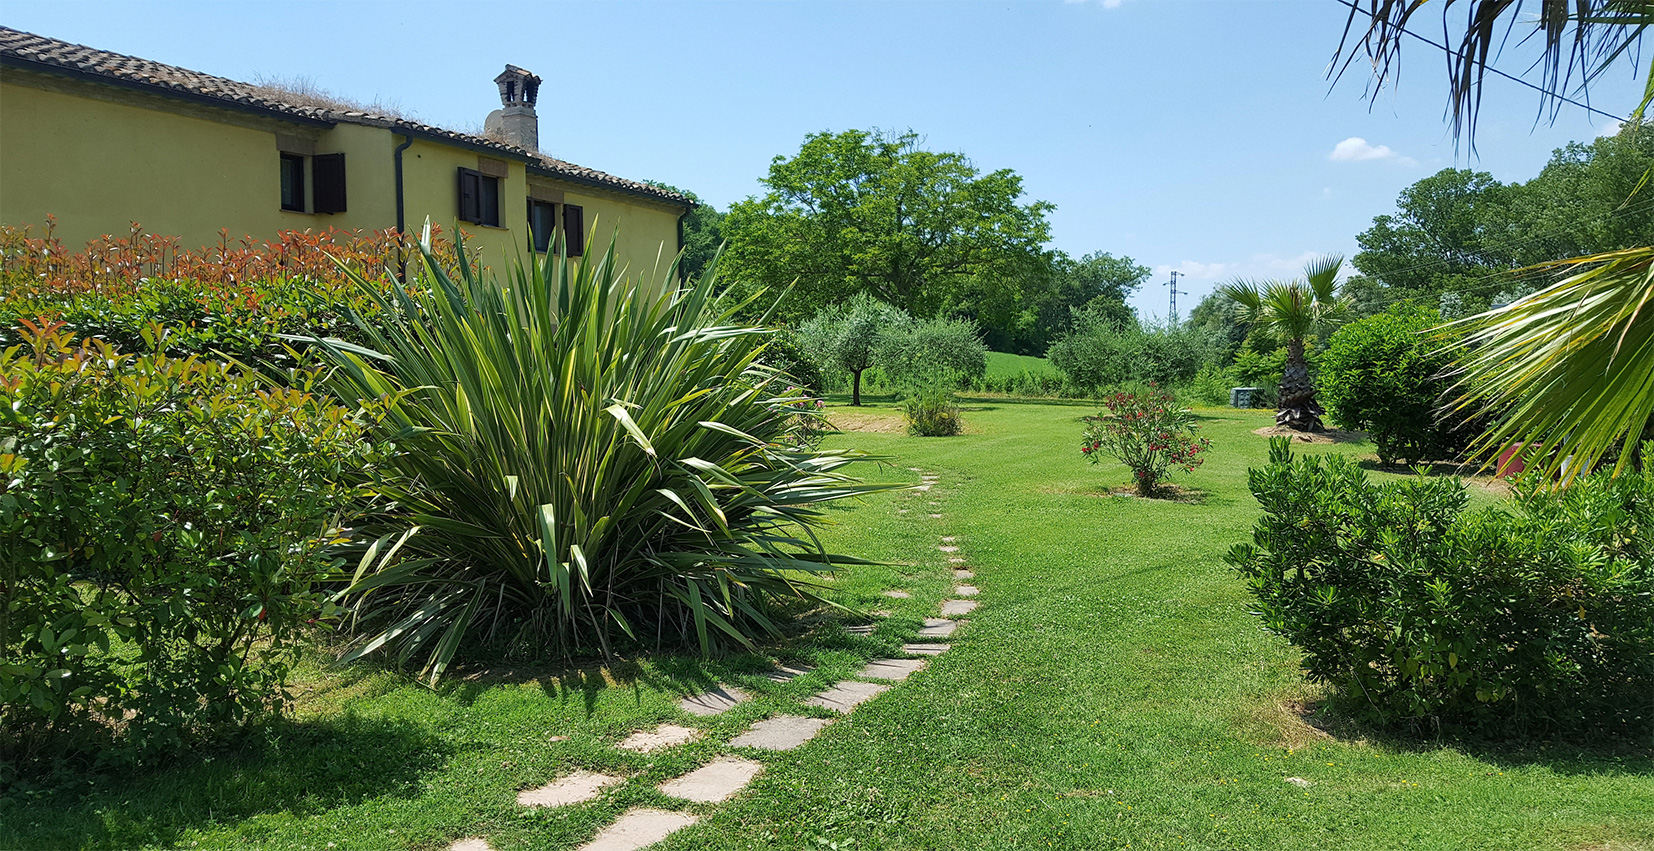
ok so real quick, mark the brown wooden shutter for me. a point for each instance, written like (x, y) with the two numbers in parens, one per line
(574, 230)
(328, 173)
(468, 207)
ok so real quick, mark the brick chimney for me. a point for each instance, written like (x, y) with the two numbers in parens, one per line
(515, 122)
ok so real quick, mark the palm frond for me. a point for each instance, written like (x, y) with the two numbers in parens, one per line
(1569, 370)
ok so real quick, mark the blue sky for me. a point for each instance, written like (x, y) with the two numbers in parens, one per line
(1189, 135)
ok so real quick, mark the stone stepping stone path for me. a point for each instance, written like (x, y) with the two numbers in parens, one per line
(660, 738)
(724, 777)
(576, 788)
(786, 673)
(938, 628)
(782, 733)
(639, 828)
(890, 669)
(713, 702)
(847, 696)
(716, 781)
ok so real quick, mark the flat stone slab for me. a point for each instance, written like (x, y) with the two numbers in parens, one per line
(921, 487)
(471, 844)
(926, 649)
(897, 594)
(782, 733)
(664, 736)
(938, 628)
(639, 828)
(966, 590)
(960, 573)
(576, 788)
(716, 781)
(784, 673)
(847, 696)
(890, 669)
(948, 539)
(713, 702)
(936, 517)
(958, 607)
(948, 548)
(901, 511)
(860, 629)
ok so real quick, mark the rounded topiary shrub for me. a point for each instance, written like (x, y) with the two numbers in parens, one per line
(1386, 375)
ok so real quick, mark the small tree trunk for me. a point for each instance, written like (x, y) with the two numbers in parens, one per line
(855, 388)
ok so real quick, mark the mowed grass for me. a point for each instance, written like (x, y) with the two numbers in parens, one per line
(1111, 692)
(1003, 365)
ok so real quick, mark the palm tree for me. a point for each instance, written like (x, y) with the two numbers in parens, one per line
(1293, 311)
(1570, 369)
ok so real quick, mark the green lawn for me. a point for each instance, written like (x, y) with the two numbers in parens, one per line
(1002, 365)
(1112, 692)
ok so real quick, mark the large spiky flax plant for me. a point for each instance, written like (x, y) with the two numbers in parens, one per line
(1293, 312)
(579, 456)
(1569, 370)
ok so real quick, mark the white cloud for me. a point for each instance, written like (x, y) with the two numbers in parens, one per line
(1106, 4)
(1612, 128)
(1326, 192)
(1357, 149)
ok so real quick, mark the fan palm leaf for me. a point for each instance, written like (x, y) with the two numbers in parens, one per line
(1569, 369)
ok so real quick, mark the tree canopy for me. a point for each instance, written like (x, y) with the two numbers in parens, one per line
(873, 212)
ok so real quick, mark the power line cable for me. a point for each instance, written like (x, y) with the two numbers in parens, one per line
(1489, 68)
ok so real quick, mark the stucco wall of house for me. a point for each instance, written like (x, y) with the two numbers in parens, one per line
(98, 158)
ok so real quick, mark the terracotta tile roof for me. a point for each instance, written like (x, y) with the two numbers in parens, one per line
(40, 53)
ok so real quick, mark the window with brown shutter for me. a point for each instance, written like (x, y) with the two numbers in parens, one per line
(479, 198)
(328, 182)
(574, 230)
(292, 183)
(542, 223)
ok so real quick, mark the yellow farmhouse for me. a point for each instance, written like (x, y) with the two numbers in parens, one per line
(100, 140)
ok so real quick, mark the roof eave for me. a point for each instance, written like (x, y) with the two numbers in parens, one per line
(536, 169)
(167, 91)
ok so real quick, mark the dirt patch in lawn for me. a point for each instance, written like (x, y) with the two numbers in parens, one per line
(876, 422)
(1331, 435)
(1291, 722)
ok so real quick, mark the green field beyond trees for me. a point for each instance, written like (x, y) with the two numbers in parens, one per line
(1111, 692)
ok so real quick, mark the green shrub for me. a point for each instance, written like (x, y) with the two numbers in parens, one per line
(1149, 433)
(1385, 375)
(1531, 619)
(932, 413)
(581, 458)
(784, 353)
(162, 523)
(1099, 352)
(935, 352)
(1211, 385)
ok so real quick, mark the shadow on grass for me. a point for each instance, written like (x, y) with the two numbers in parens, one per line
(1565, 754)
(299, 767)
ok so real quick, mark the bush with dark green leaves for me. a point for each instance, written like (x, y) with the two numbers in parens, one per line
(162, 532)
(1386, 375)
(785, 353)
(1531, 619)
